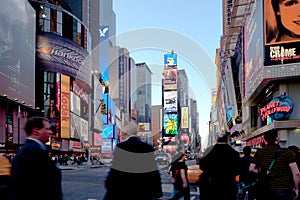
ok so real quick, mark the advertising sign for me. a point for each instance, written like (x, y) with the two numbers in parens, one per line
(280, 108)
(97, 105)
(171, 124)
(97, 139)
(108, 132)
(184, 117)
(17, 51)
(253, 48)
(282, 32)
(106, 146)
(104, 108)
(65, 107)
(170, 79)
(170, 60)
(170, 101)
(75, 103)
(75, 126)
(58, 54)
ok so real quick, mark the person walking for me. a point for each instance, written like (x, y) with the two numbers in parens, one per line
(179, 173)
(247, 178)
(221, 166)
(274, 165)
(34, 176)
(134, 174)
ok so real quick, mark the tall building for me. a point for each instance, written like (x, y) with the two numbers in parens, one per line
(259, 77)
(143, 105)
(156, 125)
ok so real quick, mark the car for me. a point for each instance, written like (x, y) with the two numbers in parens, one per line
(194, 173)
(163, 158)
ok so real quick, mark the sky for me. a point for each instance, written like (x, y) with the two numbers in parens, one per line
(192, 28)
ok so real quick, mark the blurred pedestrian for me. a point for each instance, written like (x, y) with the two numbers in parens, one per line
(34, 176)
(221, 166)
(134, 174)
(295, 151)
(274, 164)
(179, 173)
(247, 178)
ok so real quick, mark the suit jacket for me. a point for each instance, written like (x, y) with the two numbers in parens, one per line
(134, 173)
(33, 174)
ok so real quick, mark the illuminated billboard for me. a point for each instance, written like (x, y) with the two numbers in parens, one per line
(17, 51)
(184, 117)
(281, 32)
(65, 106)
(170, 60)
(170, 124)
(170, 101)
(170, 79)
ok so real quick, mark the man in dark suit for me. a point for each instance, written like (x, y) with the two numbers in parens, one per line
(133, 174)
(34, 176)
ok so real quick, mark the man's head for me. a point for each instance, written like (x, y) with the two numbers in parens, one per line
(247, 150)
(129, 130)
(224, 138)
(38, 128)
(271, 137)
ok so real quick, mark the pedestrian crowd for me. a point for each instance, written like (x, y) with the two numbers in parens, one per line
(270, 173)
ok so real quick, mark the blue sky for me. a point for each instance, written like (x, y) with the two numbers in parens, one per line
(191, 28)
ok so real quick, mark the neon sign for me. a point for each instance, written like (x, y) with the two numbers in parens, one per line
(278, 109)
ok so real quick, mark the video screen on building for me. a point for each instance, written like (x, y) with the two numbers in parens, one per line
(170, 124)
(17, 51)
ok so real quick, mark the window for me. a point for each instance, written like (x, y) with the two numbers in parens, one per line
(53, 21)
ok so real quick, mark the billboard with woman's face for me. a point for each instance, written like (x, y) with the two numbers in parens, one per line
(282, 31)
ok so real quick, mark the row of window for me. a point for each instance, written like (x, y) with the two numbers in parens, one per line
(56, 20)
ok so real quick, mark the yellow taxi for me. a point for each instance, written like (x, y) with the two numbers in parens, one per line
(194, 173)
(5, 166)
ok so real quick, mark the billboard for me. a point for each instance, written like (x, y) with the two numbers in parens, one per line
(281, 32)
(170, 79)
(75, 103)
(184, 117)
(253, 48)
(170, 101)
(170, 60)
(58, 54)
(17, 51)
(170, 124)
(65, 106)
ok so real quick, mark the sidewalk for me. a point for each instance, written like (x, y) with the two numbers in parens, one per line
(72, 167)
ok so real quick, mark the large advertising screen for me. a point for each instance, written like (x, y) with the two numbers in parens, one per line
(281, 32)
(58, 54)
(17, 51)
(170, 60)
(170, 124)
(253, 47)
(65, 107)
(170, 79)
(170, 101)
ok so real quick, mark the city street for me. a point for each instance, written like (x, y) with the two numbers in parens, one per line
(82, 183)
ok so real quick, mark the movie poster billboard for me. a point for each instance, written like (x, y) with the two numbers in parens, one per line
(170, 124)
(170, 79)
(281, 32)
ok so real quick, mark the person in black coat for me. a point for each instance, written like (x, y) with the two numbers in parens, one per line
(221, 166)
(34, 176)
(134, 174)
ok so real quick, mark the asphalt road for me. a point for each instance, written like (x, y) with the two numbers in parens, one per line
(82, 183)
